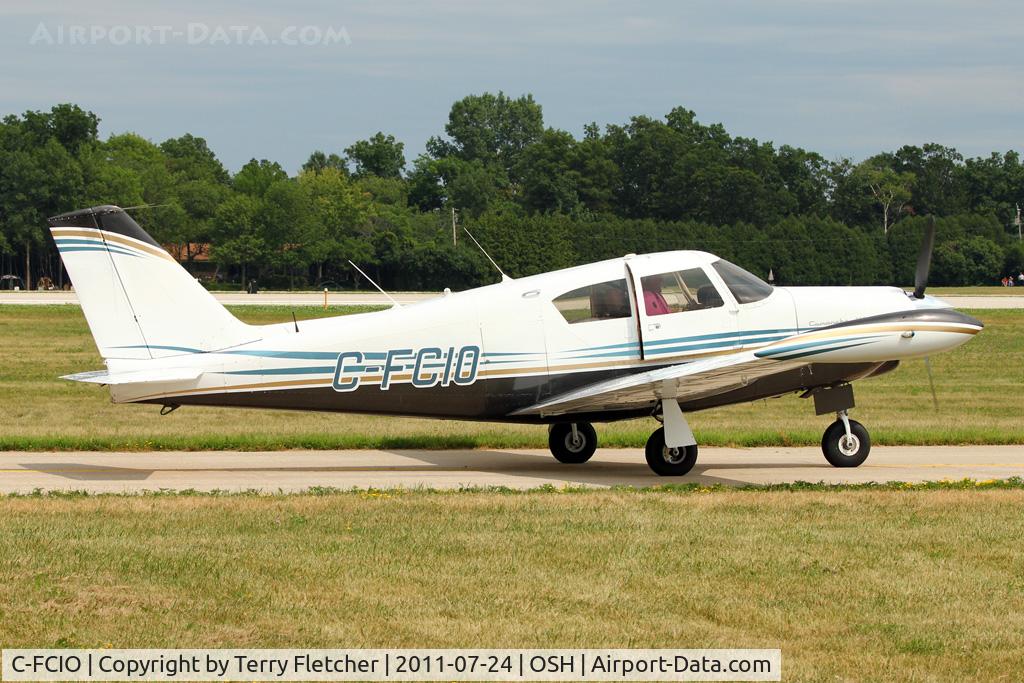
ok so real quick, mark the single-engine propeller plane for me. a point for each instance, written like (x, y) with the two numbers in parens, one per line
(655, 335)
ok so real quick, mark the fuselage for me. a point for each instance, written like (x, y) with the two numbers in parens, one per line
(487, 352)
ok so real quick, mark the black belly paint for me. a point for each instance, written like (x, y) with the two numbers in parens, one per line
(495, 399)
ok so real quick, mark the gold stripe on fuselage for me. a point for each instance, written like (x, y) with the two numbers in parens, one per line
(853, 331)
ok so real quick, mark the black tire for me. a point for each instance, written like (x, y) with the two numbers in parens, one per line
(840, 454)
(562, 447)
(667, 462)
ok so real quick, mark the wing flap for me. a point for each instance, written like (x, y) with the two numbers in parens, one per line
(684, 381)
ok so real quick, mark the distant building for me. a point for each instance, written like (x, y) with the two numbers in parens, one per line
(195, 258)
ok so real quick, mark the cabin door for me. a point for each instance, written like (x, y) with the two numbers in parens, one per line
(682, 313)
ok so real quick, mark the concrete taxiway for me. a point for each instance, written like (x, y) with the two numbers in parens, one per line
(289, 471)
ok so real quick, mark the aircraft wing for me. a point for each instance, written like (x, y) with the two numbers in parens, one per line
(684, 381)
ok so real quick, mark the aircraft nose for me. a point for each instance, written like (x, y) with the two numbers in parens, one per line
(964, 319)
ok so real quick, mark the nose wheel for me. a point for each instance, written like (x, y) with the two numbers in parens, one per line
(572, 443)
(846, 442)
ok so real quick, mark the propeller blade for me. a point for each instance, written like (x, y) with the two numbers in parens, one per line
(924, 259)
(931, 382)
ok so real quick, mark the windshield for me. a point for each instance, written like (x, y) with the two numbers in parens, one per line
(747, 288)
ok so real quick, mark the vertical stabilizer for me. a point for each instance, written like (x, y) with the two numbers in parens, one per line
(139, 302)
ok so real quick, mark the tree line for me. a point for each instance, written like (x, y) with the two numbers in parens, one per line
(536, 197)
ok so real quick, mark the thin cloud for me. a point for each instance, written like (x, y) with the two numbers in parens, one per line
(841, 77)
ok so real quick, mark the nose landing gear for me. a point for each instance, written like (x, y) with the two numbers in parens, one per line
(846, 442)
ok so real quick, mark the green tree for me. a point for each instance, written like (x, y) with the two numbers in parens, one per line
(106, 182)
(338, 228)
(39, 177)
(191, 158)
(287, 219)
(318, 161)
(890, 189)
(200, 185)
(491, 129)
(598, 174)
(380, 156)
(972, 261)
(939, 186)
(995, 184)
(68, 124)
(806, 177)
(257, 176)
(549, 181)
(236, 233)
(451, 182)
(164, 217)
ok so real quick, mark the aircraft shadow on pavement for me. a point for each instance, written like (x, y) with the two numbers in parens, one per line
(516, 466)
(602, 472)
(85, 472)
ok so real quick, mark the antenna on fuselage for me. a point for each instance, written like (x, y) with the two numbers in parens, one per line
(504, 278)
(370, 280)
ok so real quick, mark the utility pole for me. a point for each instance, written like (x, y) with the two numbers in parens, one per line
(1016, 221)
(455, 232)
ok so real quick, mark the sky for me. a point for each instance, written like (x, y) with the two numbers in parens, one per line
(277, 80)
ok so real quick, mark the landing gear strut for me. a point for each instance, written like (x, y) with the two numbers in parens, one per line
(846, 442)
(669, 461)
(572, 442)
(671, 451)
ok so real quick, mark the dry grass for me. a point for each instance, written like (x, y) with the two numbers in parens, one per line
(978, 386)
(857, 585)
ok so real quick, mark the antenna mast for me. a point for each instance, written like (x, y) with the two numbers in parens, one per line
(504, 278)
(370, 280)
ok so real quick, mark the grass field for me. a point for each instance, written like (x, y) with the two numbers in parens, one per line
(972, 291)
(855, 585)
(979, 388)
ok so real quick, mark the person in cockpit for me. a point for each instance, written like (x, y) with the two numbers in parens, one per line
(654, 301)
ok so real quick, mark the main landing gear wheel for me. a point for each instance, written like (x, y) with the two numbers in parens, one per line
(669, 462)
(572, 442)
(846, 450)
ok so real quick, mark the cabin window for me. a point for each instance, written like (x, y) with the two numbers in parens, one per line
(679, 291)
(603, 301)
(746, 287)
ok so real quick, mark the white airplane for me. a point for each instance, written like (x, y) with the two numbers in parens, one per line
(654, 335)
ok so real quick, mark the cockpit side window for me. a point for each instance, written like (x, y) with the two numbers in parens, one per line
(602, 301)
(746, 287)
(679, 291)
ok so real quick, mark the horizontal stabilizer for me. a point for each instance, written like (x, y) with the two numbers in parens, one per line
(136, 377)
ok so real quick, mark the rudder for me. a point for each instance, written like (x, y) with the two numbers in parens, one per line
(139, 302)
